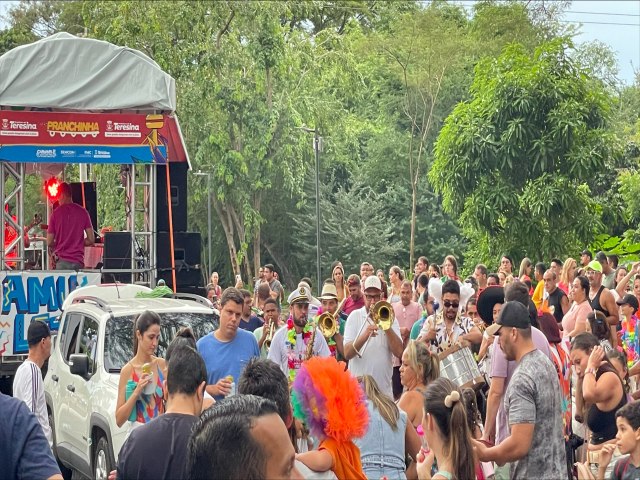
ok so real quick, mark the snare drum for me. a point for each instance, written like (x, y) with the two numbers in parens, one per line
(458, 365)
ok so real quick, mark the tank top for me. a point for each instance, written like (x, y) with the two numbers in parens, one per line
(555, 300)
(149, 407)
(603, 424)
(595, 304)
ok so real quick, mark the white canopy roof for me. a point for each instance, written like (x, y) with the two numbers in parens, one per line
(70, 73)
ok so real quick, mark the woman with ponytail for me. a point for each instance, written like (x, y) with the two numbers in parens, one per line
(419, 368)
(447, 434)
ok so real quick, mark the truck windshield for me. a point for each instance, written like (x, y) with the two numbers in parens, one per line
(118, 342)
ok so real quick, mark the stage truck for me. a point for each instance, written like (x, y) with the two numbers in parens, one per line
(69, 100)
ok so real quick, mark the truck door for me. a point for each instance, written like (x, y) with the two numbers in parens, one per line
(82, 391)
(67, 346)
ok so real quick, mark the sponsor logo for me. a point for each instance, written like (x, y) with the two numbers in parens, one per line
(101, 154)
(18, 125)
(73, 128)
(46, 153)
(122, 130)
(127, 127)
(18, 128)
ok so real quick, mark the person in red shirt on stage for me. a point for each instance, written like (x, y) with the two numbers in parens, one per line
(70, 230)
(356, 298)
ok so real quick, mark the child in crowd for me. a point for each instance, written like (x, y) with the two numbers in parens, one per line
(332, 404)
(447, 434)
(599, 327)
(619, 362)
(628, 441)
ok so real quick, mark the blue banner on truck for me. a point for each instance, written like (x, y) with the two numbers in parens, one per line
(31, 296)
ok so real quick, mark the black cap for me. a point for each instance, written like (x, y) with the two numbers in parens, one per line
(601, 257)
(586, 252)
(630, 300)
(512, 314)
(37, 331)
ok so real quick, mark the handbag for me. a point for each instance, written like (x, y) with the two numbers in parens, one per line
(582, 470)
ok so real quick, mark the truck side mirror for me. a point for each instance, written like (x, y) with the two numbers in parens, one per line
(79, 364)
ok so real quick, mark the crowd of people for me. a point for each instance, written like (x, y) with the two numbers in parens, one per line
(506, 374)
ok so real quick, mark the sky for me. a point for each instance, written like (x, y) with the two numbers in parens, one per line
(613, 22)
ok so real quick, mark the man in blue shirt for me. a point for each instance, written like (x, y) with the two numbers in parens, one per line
(25, 451)
(227, 350)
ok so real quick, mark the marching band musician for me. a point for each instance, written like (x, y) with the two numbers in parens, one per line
(329, 299)
(376, 358)
(447, 327)
(265, 333)
(298, 339)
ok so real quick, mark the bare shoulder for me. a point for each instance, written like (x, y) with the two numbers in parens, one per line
(161, 362)
(410, 399)
(125, 372)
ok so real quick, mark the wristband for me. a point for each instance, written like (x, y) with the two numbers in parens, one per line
(590, 370)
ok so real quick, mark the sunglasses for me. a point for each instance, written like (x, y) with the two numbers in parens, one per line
(451, 304)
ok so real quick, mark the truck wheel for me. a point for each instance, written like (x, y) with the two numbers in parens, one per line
(103, 462)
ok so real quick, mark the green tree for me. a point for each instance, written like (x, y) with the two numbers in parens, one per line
(514, 162)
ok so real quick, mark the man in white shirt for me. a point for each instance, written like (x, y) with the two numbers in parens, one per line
(27, 383)
(290, 344)
(377, 358)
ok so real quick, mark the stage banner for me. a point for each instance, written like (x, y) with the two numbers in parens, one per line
(31, 295)
(52, 137)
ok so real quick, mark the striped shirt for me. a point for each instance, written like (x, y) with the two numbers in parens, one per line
(29, 387)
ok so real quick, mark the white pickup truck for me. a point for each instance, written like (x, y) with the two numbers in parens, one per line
(94, 342)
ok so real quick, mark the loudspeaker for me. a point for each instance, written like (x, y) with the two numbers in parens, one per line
(186, 248)
(178, 179)
(84, 193)
(117, 254)
(186, 280)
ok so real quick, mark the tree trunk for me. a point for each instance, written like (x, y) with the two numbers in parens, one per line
(257, 234)
(227, 226)
(269, 90)
(286, 276)
(412, 241)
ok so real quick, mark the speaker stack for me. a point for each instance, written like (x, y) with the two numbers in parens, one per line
(186, 245)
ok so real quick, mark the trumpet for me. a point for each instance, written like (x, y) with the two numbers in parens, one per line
(268, 340)
(382, 315)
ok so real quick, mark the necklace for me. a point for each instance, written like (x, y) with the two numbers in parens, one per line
(294, 361)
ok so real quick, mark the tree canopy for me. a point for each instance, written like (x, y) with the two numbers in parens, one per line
(445, 130)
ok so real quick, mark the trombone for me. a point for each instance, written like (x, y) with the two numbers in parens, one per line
(382, 315)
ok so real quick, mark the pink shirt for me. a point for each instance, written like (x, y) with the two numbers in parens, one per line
(406, 316)
(503, 368)
(575, 315)
(67, 224)
(350, 305)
